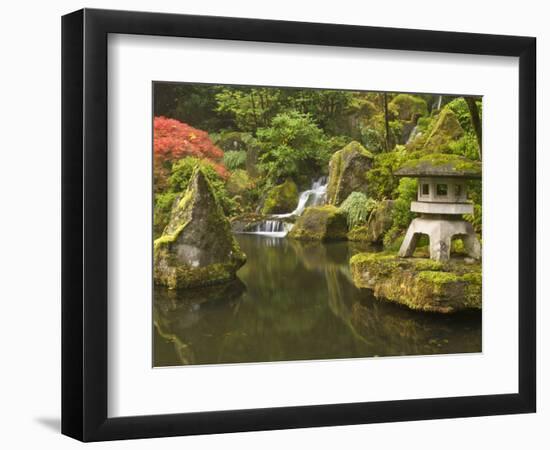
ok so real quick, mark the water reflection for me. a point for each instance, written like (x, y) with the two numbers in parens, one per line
(296, 301)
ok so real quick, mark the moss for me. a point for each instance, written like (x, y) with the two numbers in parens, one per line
(197, 247)
(440, 164)
(407, 107)
(360, 233)
(438, 277)
(428, 264)
(320, 223)
(446, 129)
(239, 182)
(348, 172)
(419, 283)
(281, 199)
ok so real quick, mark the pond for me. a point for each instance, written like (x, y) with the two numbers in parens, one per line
(296, 301)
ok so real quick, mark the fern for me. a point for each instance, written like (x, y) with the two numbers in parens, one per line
(357, 208)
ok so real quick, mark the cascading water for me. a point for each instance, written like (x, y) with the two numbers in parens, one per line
(414, 133)
(312, 197)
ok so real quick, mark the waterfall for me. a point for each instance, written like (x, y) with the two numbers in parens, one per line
(414, 133)
(275, 228)
(312, 197)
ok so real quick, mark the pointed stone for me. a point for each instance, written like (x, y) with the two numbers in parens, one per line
(348, 172)
(197, 247)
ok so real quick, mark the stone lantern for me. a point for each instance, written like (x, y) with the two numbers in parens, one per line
(442, 200)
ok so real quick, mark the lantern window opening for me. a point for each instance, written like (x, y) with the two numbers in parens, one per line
(441, 189)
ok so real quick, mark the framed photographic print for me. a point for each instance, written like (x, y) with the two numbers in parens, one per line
(274, 224)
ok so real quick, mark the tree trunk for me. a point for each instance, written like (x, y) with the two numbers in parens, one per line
(476, 121)
(386, 118)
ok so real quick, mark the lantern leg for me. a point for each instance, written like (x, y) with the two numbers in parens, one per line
(471, 243)
(409, 243)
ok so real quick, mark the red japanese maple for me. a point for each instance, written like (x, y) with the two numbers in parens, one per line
(173, 140)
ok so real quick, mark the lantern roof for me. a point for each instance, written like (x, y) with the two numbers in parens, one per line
(440, 165)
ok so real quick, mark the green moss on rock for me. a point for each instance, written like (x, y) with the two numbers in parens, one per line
(440, 165)
(348, 172)
(320, 223)
(197, 247)
(419, 284)
(407, 107)
(281, 199)
(445, 130)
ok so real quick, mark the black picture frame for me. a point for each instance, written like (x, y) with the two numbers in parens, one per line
(84, 224)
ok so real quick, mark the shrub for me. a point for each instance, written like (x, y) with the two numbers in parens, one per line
(466, 146)
(181, 175)
(357, 208)
(234, 160)
(406, 193)
(381, 182)
(292, 146)
(173, 140)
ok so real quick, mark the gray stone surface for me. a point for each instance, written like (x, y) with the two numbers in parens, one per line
(440, 233)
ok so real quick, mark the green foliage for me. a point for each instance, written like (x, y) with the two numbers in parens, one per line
(292, 146)
(181, 175)
(466, 146)
(406, 193)
(380, 179)
(373, 139)
(357, 208)
(234, 159)
(460, 108)
(424, 124)
(250, 107)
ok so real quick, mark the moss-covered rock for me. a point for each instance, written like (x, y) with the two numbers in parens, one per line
(380, 221)
(320, 223)
(419, 283)
(407, 107)
(445, 130)
(281, 199)
(348, 172)
(239, 183)
(197, 247)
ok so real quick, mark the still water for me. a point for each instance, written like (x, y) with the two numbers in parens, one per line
(296, 301)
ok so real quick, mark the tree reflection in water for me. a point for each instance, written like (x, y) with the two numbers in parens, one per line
(296, 301)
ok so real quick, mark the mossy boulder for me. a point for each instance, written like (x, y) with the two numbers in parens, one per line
(281, 199)
(348, 172)
(239, 183)
(380, 221)
(445, 130)
(407, 107)
(420, 283)
(197, 247)
(320, 223)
